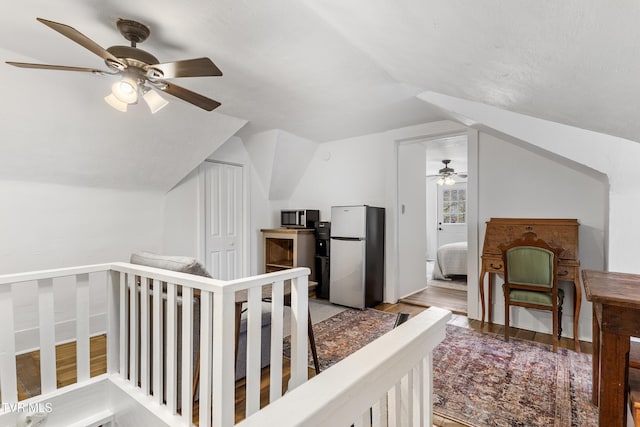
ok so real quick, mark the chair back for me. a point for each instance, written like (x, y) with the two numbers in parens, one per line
(530, 265)
(530, 262)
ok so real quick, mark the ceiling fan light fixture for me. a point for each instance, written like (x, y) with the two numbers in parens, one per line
(449, 181)
(126, 90)
(116, 103)
(136, 68)
(154, 101)
(440, 181)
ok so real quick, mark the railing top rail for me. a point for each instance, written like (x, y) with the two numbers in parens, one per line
(206, 283)
(346, 389)
(185, 279)
(52, 273)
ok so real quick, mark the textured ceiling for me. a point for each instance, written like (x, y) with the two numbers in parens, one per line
(319, 69)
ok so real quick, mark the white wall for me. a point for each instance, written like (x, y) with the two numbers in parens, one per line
(183, 210)
(346, 172)
(51, 226)
(516, 182)
(183, 214)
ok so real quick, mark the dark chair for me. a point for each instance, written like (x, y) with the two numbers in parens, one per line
(400, 319)
(531, 279)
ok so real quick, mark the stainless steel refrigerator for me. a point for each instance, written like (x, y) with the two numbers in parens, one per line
(357, 256)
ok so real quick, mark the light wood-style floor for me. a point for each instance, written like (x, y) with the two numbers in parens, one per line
(28, 365)
(450, 299)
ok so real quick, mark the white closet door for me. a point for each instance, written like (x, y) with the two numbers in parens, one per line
(223, 220)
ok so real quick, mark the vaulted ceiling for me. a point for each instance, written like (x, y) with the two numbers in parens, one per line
(319, 69)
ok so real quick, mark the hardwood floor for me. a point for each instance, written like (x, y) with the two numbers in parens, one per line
(28, 365)
(450, 299)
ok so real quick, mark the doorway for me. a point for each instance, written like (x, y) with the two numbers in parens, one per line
(445, 221)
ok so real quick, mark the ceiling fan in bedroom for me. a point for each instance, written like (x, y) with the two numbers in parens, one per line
(446, 175)
(140, 73)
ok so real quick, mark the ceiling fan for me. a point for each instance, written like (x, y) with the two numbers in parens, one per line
(141, 71)
(446, 174)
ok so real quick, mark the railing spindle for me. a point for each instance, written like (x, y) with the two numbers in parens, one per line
(254, 320)
(379, 413)
(113, 320)
(395, 405)
(187, 354)
(8, 376)
(206, 340)
(223, 386)
(157, 341)
(427, 389)
(144, 334)
(133, 330)
(124, 327)
(46, 314)
(408, 398)
(82, 328)
(299, 319)
(277, 316)
(172, 344)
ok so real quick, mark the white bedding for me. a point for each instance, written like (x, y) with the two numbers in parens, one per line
(451, 259)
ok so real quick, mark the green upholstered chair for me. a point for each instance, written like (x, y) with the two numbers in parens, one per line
(531, 279)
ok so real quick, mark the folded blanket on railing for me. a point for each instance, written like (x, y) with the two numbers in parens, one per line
(182, 264)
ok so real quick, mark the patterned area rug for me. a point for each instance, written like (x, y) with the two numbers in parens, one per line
(342, 334)
(480, 380)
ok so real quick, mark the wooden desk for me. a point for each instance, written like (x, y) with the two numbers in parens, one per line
(557, 232)
(616, 318)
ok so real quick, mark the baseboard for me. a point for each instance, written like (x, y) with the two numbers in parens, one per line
(29, 339)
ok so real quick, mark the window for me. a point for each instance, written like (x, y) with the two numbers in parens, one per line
(454, 205)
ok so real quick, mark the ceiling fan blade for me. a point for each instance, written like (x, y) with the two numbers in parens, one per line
(189, 96)
(198, 67)
(55, 67)
(82, 40)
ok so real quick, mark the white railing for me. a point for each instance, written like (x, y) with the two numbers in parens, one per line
(386, 383)
(142, 336)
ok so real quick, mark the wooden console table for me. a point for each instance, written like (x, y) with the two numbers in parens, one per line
(557, 232)
(616, 314)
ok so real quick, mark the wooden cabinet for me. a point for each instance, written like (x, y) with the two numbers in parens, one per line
(287, 248)
(557, 232)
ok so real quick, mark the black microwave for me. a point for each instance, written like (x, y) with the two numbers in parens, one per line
(299, 218)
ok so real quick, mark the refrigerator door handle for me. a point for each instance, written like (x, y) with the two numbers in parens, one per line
(355, 239)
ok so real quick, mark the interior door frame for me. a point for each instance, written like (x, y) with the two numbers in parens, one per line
(246, 218)
(473, 258)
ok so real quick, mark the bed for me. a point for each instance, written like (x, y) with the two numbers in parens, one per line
(451, 260)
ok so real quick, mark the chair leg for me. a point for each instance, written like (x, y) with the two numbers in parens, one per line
(559, 321)
(312, 344)
(555, 334)
(506, 319)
